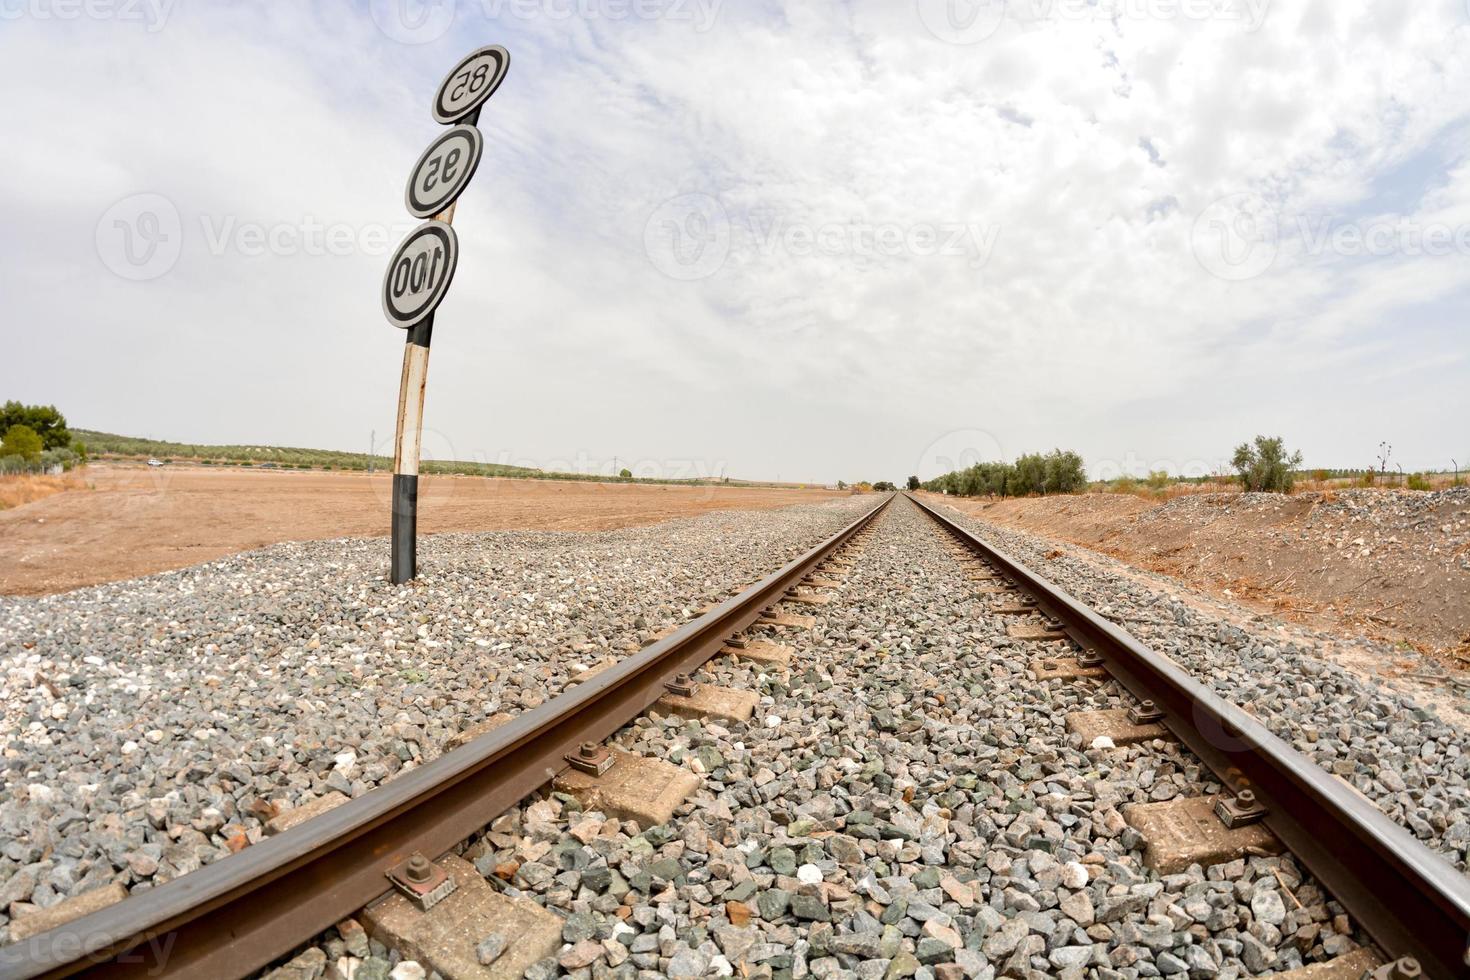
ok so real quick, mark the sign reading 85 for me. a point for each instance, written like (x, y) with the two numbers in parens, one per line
(470, 83)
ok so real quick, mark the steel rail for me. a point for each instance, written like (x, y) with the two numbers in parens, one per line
(1409, 899)
(238, 914)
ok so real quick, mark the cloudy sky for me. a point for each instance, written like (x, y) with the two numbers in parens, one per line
(813, 240)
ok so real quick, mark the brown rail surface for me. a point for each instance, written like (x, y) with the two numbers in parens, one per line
(1410, 900)
(238, 914)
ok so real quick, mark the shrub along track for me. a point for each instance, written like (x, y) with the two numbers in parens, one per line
(915, 765)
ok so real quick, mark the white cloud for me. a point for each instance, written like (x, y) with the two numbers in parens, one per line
(1062, 163)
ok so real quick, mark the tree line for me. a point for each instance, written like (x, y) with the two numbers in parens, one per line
(34, 438)
(1031, 474)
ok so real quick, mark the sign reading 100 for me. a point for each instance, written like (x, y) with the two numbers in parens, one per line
(420, 273)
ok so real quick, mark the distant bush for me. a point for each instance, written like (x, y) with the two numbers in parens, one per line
(21, 440)
(626, 473)
(1417, 481)
(1158, 481)
(1266, 467)
(914, 483)
(883, 486)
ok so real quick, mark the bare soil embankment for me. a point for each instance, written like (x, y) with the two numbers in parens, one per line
(1391, 564)
(136, 520)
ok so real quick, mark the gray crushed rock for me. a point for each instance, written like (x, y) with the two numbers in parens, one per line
(905, 803)
(153, 725)
(1397, 751)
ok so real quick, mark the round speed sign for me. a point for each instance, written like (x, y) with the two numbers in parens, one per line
(420, 273)
(471, 82)
(444, 171)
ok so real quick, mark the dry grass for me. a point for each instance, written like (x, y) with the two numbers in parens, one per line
(1141, 487)
(17, 490)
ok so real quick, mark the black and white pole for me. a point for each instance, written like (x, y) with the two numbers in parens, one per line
(423, 267)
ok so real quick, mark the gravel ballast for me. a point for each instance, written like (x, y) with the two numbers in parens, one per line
(1395, 750)
(152, 726)
(906, 802)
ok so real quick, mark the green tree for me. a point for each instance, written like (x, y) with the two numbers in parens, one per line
(914, 483)
(1064, 472)
(1266, 467)
(22, 441)
(884, 486)
(1029, 476)
(626, 474)
(43, 420)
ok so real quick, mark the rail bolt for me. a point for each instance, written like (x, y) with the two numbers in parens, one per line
(1241, 810)
(418, 869)
(682, 686)
(1144, 713)
(421, 881)
(590, 758)
(1406, 968)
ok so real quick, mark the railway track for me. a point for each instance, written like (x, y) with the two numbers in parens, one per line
(241, 914)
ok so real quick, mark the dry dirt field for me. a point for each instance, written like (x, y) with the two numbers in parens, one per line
(1392, 564)
(135, 520)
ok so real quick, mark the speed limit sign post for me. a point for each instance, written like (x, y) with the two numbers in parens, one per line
(422, 268)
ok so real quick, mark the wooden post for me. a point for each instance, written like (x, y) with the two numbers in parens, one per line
(408, 442)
